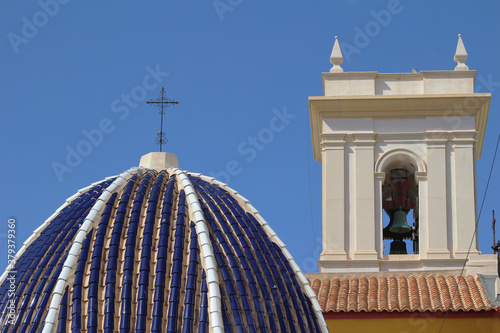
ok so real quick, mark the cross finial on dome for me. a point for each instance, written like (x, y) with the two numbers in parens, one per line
(162, 103)
(336, 57)
(460, 56)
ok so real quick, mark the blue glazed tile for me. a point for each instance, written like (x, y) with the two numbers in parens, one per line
(111, 264)
(162, 252)
(77, 292)
(128, 264)
(143, 279)
(94, 275)
(125, 323)
(93, 289)
(92, 305)
(110, 285)
(142, 309)
(125, 308)
(116, 237)
(159, 294)
(130, 248)
(109, 322)
(179, 244)
(126, 295)
(109, 305)
(142, 292)
(174, 299)
(157, 310)
(172, 325)
(146, 252)
(177, 263)
(149, 227)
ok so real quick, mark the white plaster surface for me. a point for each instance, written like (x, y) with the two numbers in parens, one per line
(347, 125)
(374, 83)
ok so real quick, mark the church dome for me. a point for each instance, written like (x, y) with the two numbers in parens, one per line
(156, 249)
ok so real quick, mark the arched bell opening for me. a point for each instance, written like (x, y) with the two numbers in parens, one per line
(400, 205)
(399, 200)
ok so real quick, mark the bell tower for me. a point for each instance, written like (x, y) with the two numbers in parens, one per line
(398, 154)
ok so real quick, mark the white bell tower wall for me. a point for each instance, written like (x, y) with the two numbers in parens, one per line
(430, 123)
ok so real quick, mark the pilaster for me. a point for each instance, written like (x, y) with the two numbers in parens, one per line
(464, 203)
(365, 245)
(334, 229)
(423, 212)
(437, 199)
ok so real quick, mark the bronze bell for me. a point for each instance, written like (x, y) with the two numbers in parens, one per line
(400, 225)
(398, 247)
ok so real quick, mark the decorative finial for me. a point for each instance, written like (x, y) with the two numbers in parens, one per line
(336, 57)
(162, 102)
(461, 55)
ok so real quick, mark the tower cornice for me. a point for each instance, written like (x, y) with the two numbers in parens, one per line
(445, 106)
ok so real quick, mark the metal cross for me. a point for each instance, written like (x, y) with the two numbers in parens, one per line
(162, 103)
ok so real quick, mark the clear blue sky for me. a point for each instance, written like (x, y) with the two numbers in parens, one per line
(67, 68)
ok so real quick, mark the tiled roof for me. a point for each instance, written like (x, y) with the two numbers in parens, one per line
(399, 293)
(157, 252)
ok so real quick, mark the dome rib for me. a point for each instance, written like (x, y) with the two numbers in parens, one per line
(207, 253)
(76, 246)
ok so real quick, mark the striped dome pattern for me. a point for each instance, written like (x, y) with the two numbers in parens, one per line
(149, 251)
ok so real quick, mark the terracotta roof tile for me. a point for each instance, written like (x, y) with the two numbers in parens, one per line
(373, 298)
(436, 300)
(424, 294)
(476, 294)
(404, 294)
(400, 293)
(323, 292)
(343, 295)
(333, 295)
(393, 292)
(363, 294)
(383, 294)
(444, 292)
(414, 294)
(465, 292)
(353, 295)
